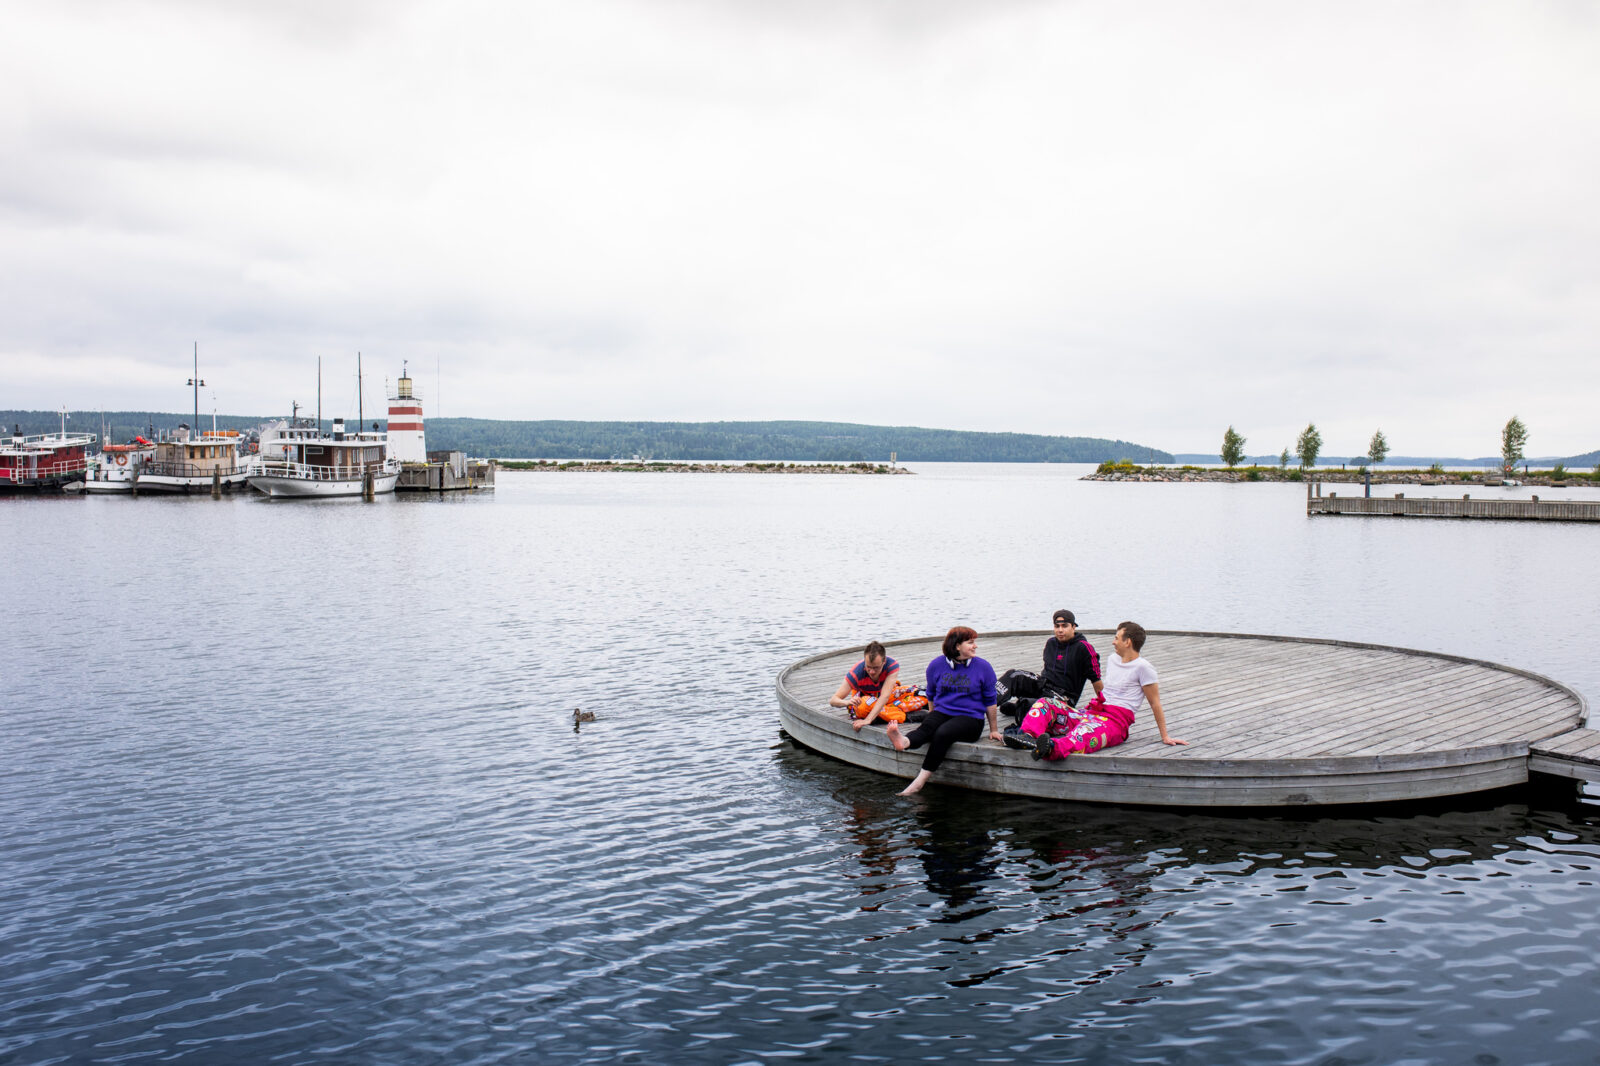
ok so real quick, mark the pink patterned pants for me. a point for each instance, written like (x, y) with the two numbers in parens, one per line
(1077, 729)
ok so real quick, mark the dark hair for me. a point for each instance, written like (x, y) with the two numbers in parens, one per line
(875, 650)
(1064, 615)
(1134, 632)
(957, 635)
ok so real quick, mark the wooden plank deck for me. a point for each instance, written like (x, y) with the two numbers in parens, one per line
(1399, 506)
(1575, 754)
(1270, 721)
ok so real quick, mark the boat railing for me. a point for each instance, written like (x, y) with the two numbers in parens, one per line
(310, 472)
(43, 442)
(57, 468)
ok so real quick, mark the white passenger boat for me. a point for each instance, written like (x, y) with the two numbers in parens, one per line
(297, 459)
(118, 465)
(185, 463)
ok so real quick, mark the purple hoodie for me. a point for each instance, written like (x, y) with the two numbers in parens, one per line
(965, 689)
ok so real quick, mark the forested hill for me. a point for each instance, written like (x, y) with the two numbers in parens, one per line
(769, 441)
(789, 441)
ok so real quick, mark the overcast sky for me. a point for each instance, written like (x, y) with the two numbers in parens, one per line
(1135, 220)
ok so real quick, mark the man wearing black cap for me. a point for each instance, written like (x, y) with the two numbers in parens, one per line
(1069, 661)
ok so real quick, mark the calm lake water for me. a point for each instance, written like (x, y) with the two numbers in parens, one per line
(297, 782)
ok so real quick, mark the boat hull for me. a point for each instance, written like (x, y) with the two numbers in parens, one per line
(52, 483)
(306, 488)
(186, 485)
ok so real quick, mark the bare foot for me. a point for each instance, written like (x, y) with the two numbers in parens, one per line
(900, 743)
(916, 783)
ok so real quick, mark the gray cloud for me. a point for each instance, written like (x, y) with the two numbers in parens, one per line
(1150, 221)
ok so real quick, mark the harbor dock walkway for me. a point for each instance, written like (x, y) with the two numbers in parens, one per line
(1401, 506)
(1270, 721)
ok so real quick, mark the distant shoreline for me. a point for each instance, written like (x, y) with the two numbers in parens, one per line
(1491, 478)
(647, 466)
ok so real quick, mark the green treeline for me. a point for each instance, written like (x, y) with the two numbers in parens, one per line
(839, 442)
(842, 442)
(116, 427)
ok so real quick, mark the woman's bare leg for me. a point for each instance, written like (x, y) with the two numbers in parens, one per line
(916, 783)
(900, 743)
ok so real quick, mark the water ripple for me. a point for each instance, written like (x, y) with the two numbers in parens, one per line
(348, 819)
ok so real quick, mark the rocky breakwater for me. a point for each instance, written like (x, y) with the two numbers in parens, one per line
(1159, 474)
(1490, 478)
(646, 466)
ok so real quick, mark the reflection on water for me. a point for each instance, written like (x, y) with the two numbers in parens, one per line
(266, 803)
(1347, 935)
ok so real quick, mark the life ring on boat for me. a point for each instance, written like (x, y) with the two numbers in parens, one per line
(122, 460)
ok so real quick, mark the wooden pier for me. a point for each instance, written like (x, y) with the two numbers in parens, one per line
(1399, 506)
(1271, 721)
(446, 471)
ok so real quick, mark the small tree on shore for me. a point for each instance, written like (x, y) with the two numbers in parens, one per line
(1283, 461)
(1378, 450)
(1232, 448)
(1512, 439)
(1309, 444)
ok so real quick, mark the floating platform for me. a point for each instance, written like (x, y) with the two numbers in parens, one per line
(1399, 506)
(446, 472)
(1271, 721)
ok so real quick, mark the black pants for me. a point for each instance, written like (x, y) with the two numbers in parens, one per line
(1017, 689)
(939, 731)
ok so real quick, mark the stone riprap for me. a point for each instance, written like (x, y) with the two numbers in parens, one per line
(1263, 474)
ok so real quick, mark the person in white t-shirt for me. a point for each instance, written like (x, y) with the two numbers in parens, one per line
(1056, 730)
(1130, 680)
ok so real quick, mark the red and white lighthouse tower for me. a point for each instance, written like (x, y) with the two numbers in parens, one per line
(405, 423)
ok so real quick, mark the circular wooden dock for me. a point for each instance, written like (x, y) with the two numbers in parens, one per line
(1270, 721)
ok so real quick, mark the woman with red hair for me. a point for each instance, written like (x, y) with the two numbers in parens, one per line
(961, 688)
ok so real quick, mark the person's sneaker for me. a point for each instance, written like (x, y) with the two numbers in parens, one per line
(1016, 738)
(1044, 745)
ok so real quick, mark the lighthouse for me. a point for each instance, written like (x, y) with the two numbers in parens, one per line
(405, 423)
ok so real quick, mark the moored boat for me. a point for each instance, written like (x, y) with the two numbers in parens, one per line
(118, 466)
(300, 461)
(185, 463)
(43, 460)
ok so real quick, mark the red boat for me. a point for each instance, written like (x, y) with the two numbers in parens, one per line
(43, 461)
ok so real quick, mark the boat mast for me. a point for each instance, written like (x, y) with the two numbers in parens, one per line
(196, 382)
(359, 413)
(319, 395)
